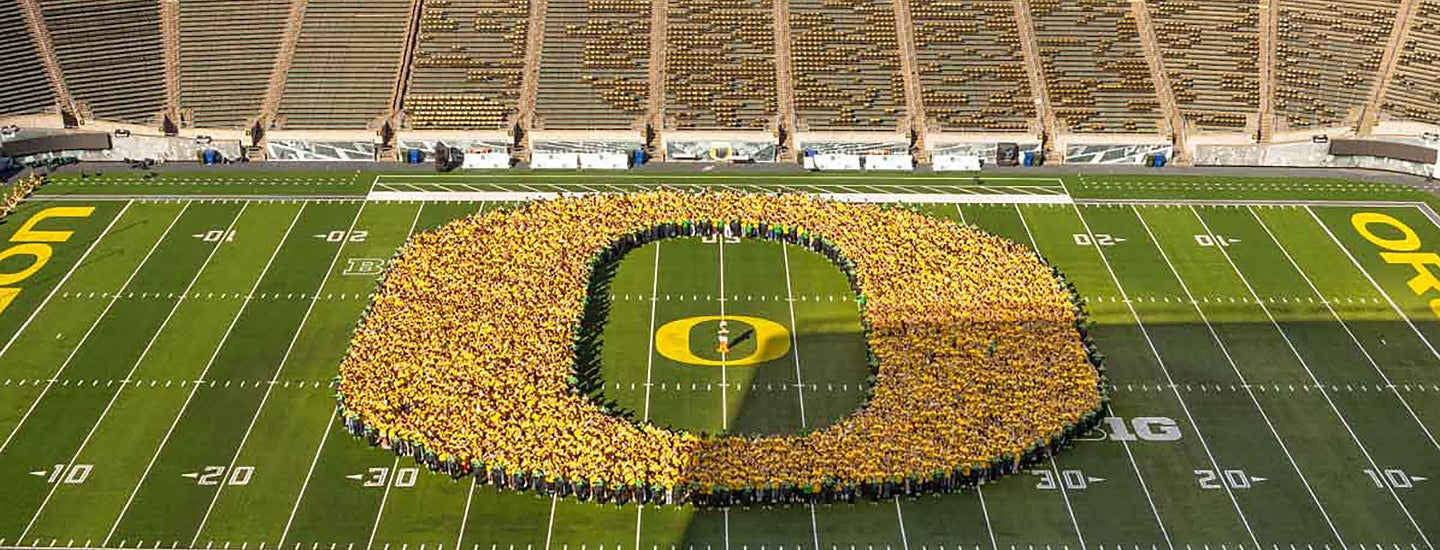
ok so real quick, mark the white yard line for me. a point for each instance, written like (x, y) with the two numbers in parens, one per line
(794, 336)
(1374, 283)
(986, 512)
(800, 381)
(814, 528)
(724, 371)
(79, 262)
(1144, 487)
(900, 517)
(650, 348)
(465, 516)
(141, 359)
(196, 388)
(1316, 380)
(265, 398)
(305, 485)
(649, 366)
(1065, 494)
(1348, 332)
(550, 527)
(1225, 350)
(381, 512)
(1159, 360)
(330, 423)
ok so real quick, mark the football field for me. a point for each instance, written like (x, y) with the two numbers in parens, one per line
(167, 348)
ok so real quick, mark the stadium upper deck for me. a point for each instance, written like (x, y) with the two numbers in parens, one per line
(1092, 71)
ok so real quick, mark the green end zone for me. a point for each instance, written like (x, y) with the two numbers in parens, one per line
(1275, 376)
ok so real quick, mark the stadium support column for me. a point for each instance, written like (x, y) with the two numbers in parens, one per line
(655, 110)
(1161, 79)
(910, 70)
(40, 34)
(1035, 71)
(1399, 34)
(170, 35)
(393, 115)
(530, 77)
(1269, 22)
(784, 86)
(270, 106)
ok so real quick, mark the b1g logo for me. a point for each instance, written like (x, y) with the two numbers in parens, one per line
(1403, 248)
(772, 340)
(34, 244)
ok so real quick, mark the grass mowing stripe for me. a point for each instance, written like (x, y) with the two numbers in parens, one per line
(308, 417)
(348, 478)
(19, 303)
(1110, 510)
(60, 370)
(194, 389)
(430, 511)
(280, 367)
(1161, 363)
(1235, 367)
(1344, 325)
(799, 380)
(122, 443)
(1393, 281)
(1313, 378)
(1129, 454)
(133, 367)
(1055, 468)
(1020, 517)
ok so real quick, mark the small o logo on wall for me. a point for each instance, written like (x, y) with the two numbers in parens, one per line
(772, 341)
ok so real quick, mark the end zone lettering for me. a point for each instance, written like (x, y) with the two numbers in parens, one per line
(1402, 250)
(33, 243)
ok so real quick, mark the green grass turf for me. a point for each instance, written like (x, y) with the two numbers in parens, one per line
(309, 481)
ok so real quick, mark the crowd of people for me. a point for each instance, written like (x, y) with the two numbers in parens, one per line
(465, 360)
(18, 191)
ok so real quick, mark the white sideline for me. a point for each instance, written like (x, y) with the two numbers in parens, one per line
(925, 198)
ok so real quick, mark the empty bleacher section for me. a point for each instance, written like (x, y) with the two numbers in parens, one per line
(594, 66)
(846, 65)
(469, 64)
(1414, 92)
(720, 64)
(25, 90)
(972, 67)
(1326, 58)
(1095, 70)
(345, 64)
(110, 54)
(1211, 48)
(227, 49)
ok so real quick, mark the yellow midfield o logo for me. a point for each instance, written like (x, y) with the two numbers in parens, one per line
(772, 341)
